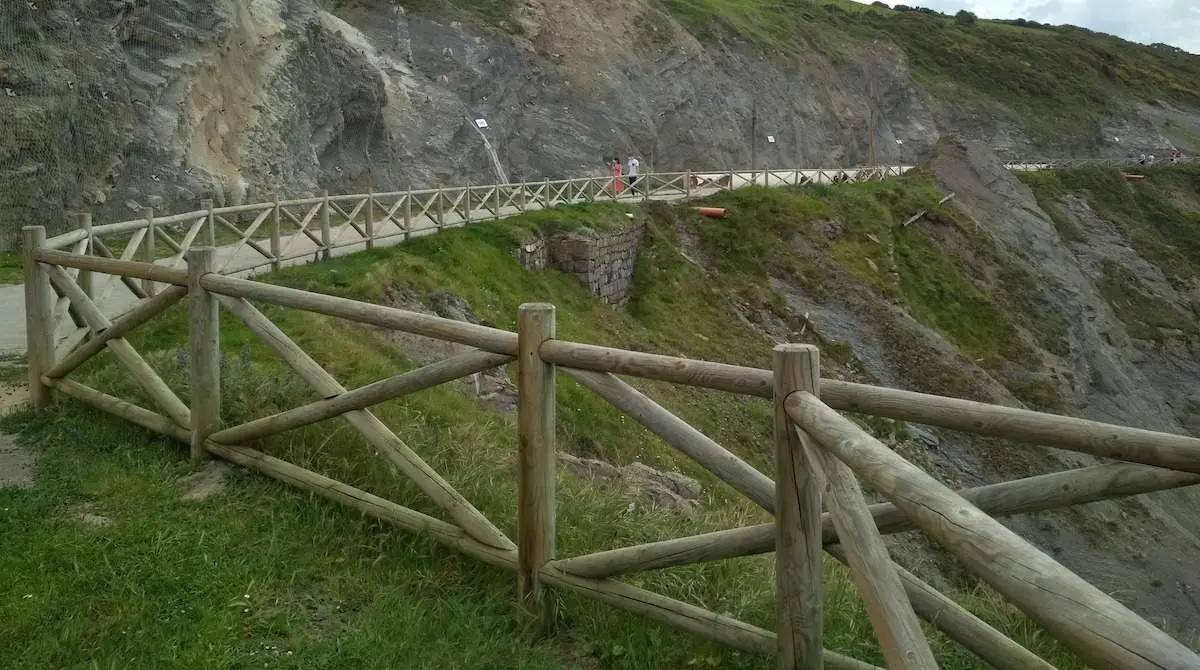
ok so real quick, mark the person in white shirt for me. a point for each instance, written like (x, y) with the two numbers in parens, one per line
(632, 172)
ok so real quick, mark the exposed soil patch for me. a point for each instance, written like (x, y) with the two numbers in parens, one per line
(86, 513)
(17, 464)
(662, 489)
(207, 482)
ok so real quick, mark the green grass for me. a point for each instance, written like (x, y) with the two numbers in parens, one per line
(1048, 190)
(338, 591)
(1157, 214)
(1144, 315)
(10, 268)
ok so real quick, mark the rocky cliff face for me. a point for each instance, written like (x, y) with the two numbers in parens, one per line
(1112, 367)
(125, 104)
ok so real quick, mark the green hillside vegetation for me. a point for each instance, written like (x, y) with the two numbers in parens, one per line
(1161, 217)
(164, 585)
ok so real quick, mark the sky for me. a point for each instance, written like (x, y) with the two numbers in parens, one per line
(1174, 22)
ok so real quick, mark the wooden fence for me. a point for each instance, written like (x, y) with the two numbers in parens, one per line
(1160, 159)
(272, 234)
(821, 457)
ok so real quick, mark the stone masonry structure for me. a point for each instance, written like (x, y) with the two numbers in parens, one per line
(603, 261)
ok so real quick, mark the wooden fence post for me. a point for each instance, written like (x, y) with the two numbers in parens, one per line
(687, 184)
(370, 225)
(205, 351)
(521, 202)
(276, 242)
(39, 317)
(536, 427)
(441, 210)
(546, 195)
(86, 280)
(326, 234)
(408, 214)
(496, 200)
(211, 235)
(148, 249)
(798, 544)
(467, 206)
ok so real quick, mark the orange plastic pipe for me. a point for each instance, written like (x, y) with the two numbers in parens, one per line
(711, 212)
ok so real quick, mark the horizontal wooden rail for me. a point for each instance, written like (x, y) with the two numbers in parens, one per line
(660, 608)
(1148, 447)
(113, 266)
(449, 330)
(681, 615)
(1085, 619)
(718, 376)
(1091, 437)
(1019, 496)
(1122, 443)
(135, 414)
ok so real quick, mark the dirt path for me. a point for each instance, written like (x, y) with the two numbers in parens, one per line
(16, 462)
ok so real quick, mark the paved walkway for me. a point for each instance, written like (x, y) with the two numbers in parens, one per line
(244, 261)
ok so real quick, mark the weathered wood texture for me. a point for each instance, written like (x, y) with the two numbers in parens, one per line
(204, 348)
(1099, 439)
(425, 377)
(798, 571)
(678, 433)
(83, 221)
(143, 312)
(960, 625)
(39, 316)
(449, 330)
(536, 430)
(1019, 496)
(113, 266)
(138, 368)
(892, 616)
(124, 409)
(382, 438)
(681, 615)
(1091, 623)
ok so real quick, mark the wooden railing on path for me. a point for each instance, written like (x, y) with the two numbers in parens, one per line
(272, 234)
(821, 456)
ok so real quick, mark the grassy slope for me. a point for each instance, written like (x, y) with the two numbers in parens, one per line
(163, 586)
(10, 267)
(1160, 218)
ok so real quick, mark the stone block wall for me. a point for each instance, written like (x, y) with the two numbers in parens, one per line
(533, 255)
(602, 261)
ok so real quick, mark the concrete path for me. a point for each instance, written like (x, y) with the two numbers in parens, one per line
(244, 261)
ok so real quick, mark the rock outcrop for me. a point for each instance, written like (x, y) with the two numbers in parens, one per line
(125, 104)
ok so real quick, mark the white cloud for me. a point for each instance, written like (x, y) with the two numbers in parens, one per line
(1174, 22)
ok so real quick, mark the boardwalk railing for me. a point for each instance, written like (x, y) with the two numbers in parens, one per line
(1160, 159)
(269, 235)
(821, 456)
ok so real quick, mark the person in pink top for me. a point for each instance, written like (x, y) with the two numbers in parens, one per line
(618, 184)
